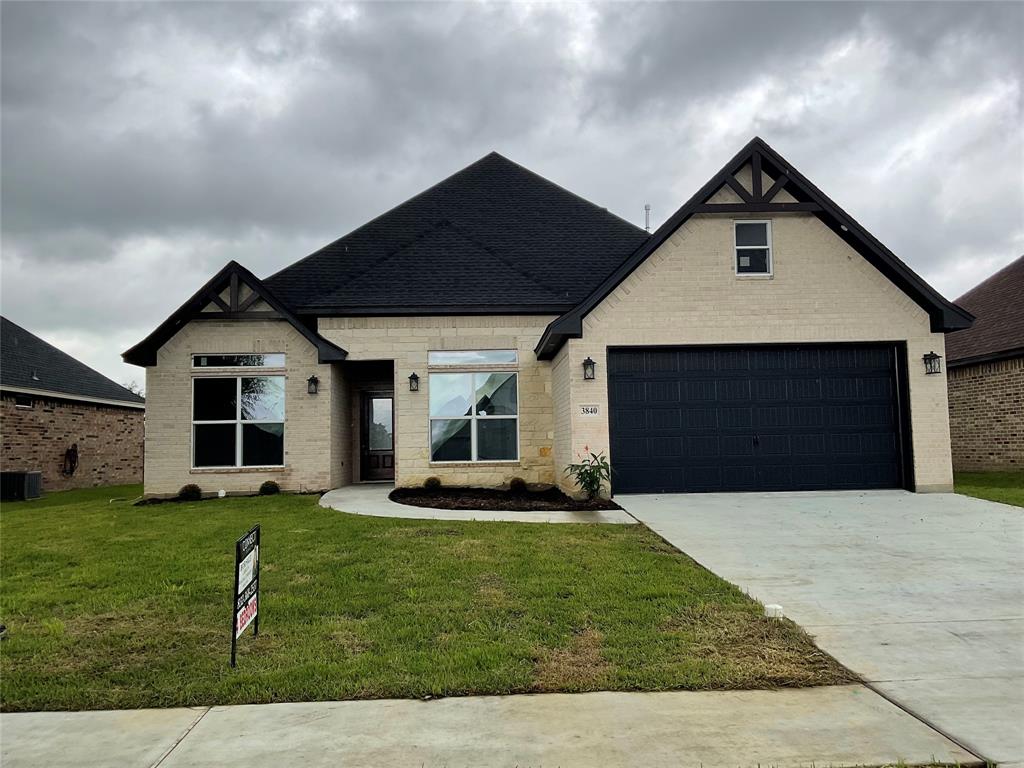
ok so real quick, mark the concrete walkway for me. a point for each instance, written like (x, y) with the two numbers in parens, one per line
(372, 499)
(837, 726)
(922, 594)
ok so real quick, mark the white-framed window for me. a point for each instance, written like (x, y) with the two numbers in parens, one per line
(474, 414)
(238, 421)
(753, 240)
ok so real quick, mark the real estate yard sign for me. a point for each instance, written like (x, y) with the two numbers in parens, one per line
(247, 588)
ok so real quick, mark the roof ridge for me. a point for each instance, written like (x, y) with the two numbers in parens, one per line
(1019, 261)
(514, 267)
(379, 216)
(404, 246)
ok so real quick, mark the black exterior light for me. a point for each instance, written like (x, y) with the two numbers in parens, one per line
(414, 383)
(932, 363)
(312, 385)
(588, 369)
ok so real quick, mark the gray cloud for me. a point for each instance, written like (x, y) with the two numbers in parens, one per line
(145, 145)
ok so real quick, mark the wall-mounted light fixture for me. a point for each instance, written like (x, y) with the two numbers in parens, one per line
(588, 369)
(414, 382)
(312, 385)
(932, 363)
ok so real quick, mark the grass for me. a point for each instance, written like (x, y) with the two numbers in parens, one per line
(1007, 487)
(114, 606)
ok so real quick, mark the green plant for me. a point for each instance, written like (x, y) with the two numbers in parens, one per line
(269, 488)
(432, 483)
(591, 472)
(190, 492)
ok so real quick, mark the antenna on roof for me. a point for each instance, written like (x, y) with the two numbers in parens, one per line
(647, 216)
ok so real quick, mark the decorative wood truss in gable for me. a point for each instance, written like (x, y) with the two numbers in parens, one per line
(757, 184)
(234, 293)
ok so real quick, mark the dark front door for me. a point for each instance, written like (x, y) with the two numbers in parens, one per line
(377, 443)
(755, 418)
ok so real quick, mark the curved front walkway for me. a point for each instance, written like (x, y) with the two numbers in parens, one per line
(372, 499)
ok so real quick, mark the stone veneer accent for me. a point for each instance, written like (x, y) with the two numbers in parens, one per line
(34, 439)
(986, 415)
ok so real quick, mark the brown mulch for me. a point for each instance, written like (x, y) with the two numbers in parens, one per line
(548, 499)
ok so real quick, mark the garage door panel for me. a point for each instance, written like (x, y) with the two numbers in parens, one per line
(754, 418)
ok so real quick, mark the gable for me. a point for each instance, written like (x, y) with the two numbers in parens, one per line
(751, 184)
(234, 293)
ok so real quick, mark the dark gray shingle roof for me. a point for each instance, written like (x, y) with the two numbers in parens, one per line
(28, 362)
(998, 306)
(492, 235)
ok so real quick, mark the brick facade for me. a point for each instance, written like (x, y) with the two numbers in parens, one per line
(109, 439)
(986, 415)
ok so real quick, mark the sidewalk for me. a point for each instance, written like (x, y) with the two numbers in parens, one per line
(372, 499)
(842, 725)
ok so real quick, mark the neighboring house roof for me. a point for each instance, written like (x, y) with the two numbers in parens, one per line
(29, 364)
(233, 293)
(998, 331)
(945, 316)
(494, 237)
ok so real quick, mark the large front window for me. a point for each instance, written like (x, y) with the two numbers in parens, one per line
(238, 421)
(474, 416)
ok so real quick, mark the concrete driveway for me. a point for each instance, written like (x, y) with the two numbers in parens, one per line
(922, 594)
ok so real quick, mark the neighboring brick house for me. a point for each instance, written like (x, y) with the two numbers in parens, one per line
(496, 324)
(986, 375)
(61, 418)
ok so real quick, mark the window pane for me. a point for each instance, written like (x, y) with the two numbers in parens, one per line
(263, 398)
(496, 394)
(450, 440)
(238, 361)
(752, 260)
(496, 439)
(214, 400)
(214, 445)
(474, 357)
(752, 234)
(451, 394)
(381, 428)
(262, 445)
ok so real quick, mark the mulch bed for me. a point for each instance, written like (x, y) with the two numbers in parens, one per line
(549, 499)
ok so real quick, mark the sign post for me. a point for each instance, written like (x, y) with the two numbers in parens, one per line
(246, 596)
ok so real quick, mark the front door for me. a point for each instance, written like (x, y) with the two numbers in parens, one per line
(377, 442)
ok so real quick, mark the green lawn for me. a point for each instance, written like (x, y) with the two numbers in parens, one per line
(1007, 487)
(110, 606)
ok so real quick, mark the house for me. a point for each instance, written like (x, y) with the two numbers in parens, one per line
(494, 325)
(61, 418)
(986, 375)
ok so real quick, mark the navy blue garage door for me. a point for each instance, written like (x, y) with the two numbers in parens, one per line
(758, 418)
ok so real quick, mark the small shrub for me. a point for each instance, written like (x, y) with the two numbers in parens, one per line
(190, 492)
(432, 483)
(517, 486)
(592, 471)
(269, 488)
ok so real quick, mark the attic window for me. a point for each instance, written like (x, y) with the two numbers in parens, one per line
(24, 401)
(753, 248)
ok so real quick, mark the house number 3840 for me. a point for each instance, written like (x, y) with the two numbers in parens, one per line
(589, 410)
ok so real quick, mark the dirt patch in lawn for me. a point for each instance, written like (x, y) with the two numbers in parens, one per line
(548, 499)
(577, 667)
(749, 647)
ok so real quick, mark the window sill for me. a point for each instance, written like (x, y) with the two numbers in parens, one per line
(753, 276)
(471, 464)
(234, 470)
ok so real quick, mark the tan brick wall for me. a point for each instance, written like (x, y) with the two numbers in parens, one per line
(406, 340)
(686, 292)
(986, 415)
(313, 460)
(109, 442)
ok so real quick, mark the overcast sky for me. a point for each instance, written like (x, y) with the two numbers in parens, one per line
(143, 146)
